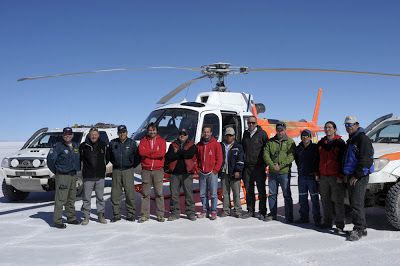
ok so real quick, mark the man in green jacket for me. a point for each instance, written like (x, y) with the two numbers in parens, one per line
(279, 155)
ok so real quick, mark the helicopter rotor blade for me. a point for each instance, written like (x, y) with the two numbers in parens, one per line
(106, 70)
(178, 89)
(321, 70)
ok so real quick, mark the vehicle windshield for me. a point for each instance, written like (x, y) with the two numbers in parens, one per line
(49, 139)
(387, 133)
(170, 122)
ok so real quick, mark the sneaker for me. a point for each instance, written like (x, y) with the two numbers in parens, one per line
(261, 217)
(355, 235)
(60, 226)
(101, 218)
(302, 221)
(85, 221)
(75, 222)
(248, 215)
(143, 219)
(130, 218)
(201, 215)
(192, 217)
(338, 230)
(173, 218)
(116, 218)
(160, 219)
(213, 215)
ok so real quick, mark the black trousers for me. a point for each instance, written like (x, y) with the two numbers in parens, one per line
(357, 198)
(256, 174)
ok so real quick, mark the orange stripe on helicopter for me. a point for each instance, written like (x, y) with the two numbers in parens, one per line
(391, 156)
(293, 128)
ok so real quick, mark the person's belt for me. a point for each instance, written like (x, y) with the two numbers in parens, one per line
(68, 173)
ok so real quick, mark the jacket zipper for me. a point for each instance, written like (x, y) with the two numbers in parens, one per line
(152, 147)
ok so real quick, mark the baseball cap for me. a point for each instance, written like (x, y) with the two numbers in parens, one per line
(306, 132)
(350, 119)
(229, 131)
(67, 131)
(183, 132)
(280, 126)
(122, 128)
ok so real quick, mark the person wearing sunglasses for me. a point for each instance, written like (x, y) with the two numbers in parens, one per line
(180, 162)
(254, 141)
(358, 164)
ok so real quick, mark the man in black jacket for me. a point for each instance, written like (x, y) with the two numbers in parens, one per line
(254, 141)
(94, 157)
(357, 165)
(124, 157)
(306, 158)
(180, 163)
(231, 173)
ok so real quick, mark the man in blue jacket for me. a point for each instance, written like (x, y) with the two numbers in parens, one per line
(63, 160)
(231, 173)
(124, 157)
(357, 165)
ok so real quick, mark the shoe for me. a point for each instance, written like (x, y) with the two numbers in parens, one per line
(160, 219)
(317, 223)
(272, 216)
(338, 230)
(143, 219)
(130, 218)
(85, 221)
(248, 215)
(75, 222)
(268, 218)
(60, 226)
(302, 221)
(192, 217)
(237, 214)
(101, 218)
(223, 214)
(201, 215)
(289, 221)
(355, 235)
(325, 226)
(173, 218)
(213, 215)
(364, 232)
(116, 218)
(261, 217)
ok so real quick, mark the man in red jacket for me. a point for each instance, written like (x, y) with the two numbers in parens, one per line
(209, 160)
(152, 150)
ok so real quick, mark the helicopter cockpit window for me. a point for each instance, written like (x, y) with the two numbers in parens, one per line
(170, 122)
(388, 134)
(212, 120)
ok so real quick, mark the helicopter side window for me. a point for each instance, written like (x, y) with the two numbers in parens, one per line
(388, 134)
(232, 120)
(213, 121)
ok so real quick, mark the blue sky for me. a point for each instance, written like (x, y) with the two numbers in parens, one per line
(46, 37)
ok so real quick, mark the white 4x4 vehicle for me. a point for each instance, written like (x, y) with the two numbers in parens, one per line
(384, 183)
(26, 170)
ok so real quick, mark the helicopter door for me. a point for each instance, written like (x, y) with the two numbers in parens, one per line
(213, 119)
(231, 119)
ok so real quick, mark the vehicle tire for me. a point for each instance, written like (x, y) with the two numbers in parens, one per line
(79, 186)
(13, 194)
(392, 206)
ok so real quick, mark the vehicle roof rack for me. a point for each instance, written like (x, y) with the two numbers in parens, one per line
(98, 125)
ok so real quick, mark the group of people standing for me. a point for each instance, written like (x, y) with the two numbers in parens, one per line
(325, 168)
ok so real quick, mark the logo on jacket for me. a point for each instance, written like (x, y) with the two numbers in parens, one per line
(76, 150)
(210, 152)
(66, 151)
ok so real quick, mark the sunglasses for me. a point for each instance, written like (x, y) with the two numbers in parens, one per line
(183, 134)
(349, 124)
(251, 123)
(305, 136)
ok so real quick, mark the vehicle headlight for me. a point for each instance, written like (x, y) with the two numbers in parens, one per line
(14, 163)
(36, 163)
(5, 163)
(380, 163)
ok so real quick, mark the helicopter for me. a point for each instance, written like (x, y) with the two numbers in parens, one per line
(219, 107)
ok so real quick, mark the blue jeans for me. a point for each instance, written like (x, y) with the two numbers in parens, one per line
(307, 184)
(208, 183)
(274, 181)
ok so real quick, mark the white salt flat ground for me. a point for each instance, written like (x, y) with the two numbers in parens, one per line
(27, 238)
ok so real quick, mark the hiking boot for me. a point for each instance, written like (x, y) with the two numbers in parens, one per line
(130, 218)
(85, 221)
(355, 235)
(248, 215)
(173, 218)
(160, 219)
(213, 215)
(60, 226)
(192, 217)
(75, 222)
(201, 215)
(101, 218)
(143, 219)
(116, 218)
(302, 221)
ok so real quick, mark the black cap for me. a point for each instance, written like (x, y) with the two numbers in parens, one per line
(122, 128)
(183, 131)
(306, 132)
(280, 126)
(67, 131)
